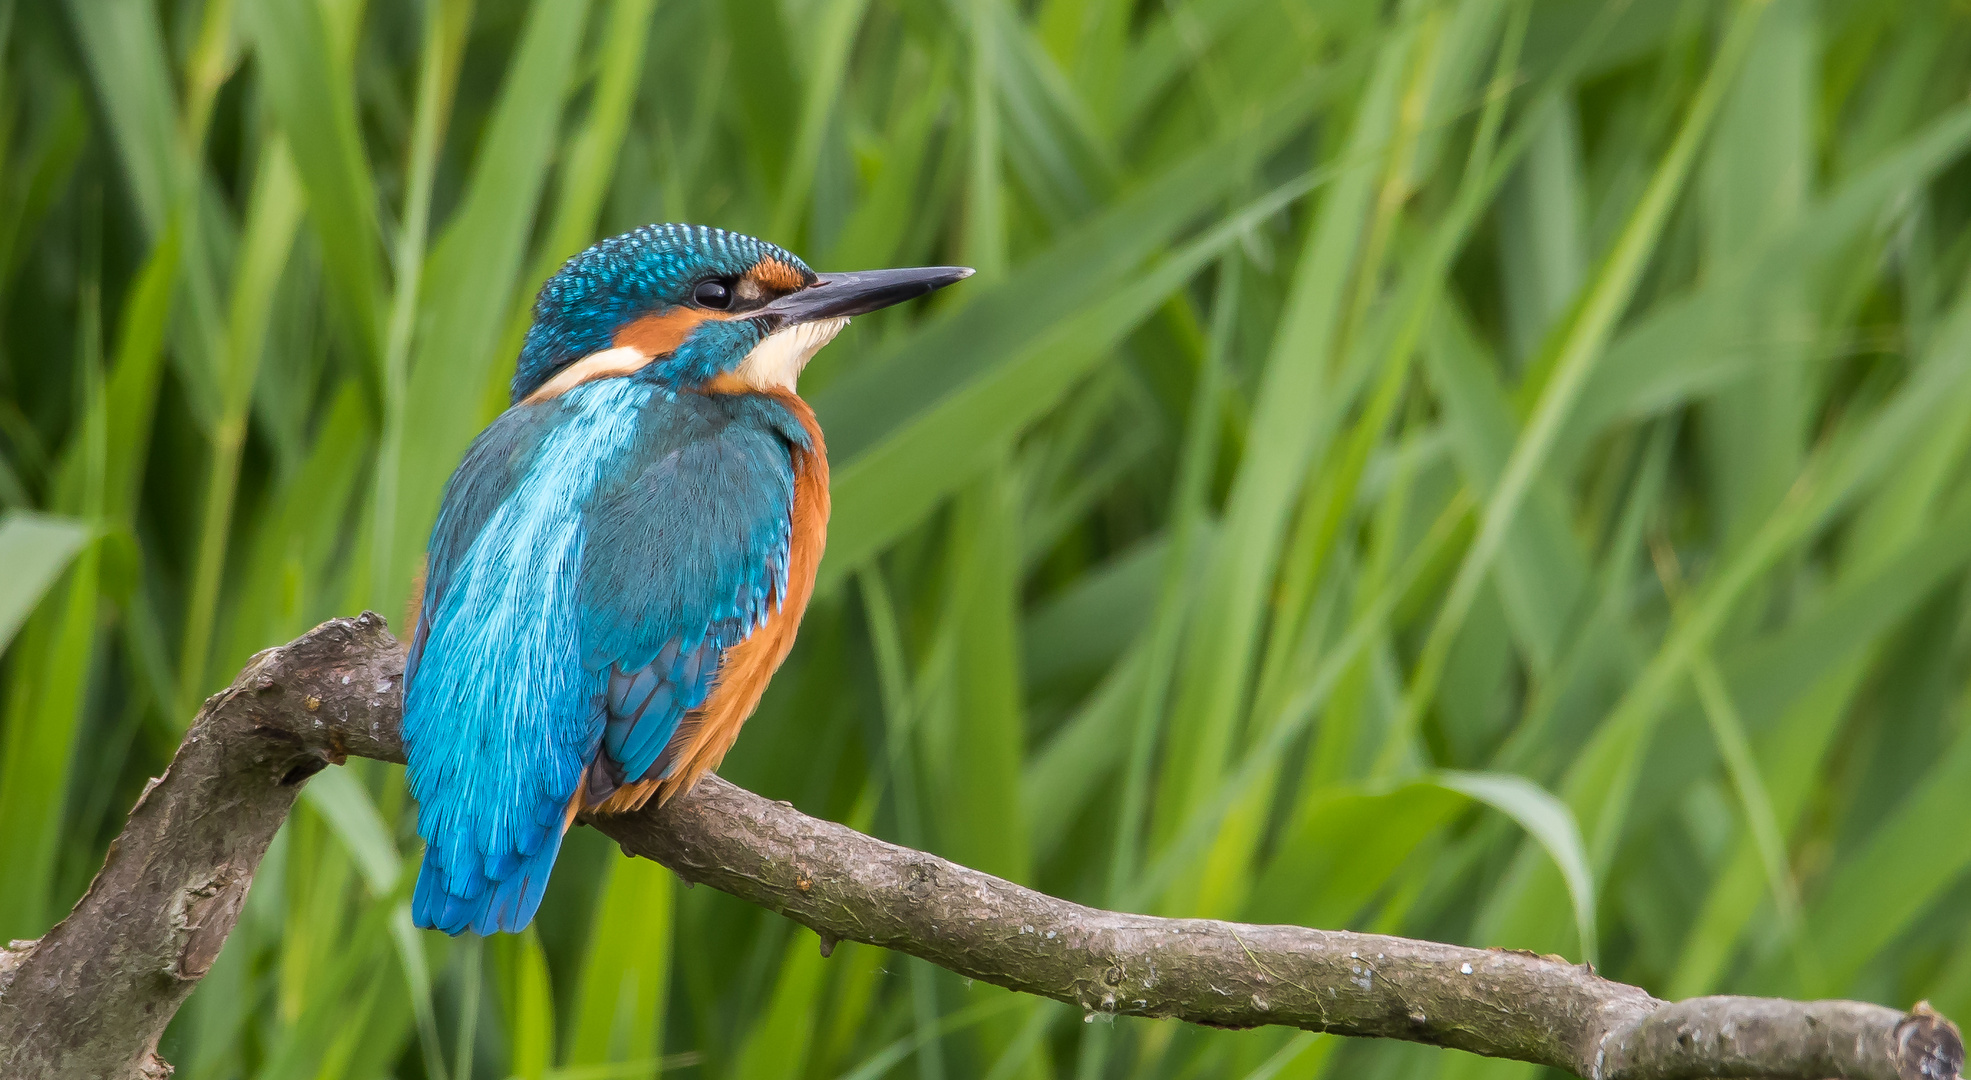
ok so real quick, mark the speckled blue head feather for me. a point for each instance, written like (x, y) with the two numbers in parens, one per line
(612, 284)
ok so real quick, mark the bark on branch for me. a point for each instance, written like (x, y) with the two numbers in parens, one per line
(92, 997)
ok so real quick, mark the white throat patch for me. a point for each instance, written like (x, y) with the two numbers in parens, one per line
(774, 364)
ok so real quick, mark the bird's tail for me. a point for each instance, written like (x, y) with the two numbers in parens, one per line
(456, 903)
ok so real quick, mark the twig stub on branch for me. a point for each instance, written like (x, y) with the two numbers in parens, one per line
(92, 997)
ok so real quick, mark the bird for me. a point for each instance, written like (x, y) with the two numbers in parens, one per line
(622, 558)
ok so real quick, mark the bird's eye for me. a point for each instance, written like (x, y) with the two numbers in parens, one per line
(713, 293)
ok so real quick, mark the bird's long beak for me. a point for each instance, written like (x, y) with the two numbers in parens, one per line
(858, 292)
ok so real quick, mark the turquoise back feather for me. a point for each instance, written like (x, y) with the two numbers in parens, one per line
(595, 557)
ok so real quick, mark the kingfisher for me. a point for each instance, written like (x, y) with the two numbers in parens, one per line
(622, 558)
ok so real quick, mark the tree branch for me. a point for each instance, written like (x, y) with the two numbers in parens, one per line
(92, 997)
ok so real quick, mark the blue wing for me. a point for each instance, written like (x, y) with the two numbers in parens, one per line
(594, 558)
(687, 558)
(500, 715)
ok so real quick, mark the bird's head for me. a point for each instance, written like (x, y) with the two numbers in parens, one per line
(695, 307)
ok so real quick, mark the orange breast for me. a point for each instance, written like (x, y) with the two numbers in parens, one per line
(706, 733)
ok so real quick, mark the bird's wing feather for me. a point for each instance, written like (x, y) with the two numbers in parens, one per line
(500, 715)
(595, 558)
(687, 558)
(488, 473)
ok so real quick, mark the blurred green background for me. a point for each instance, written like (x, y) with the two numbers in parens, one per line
(1488, 470)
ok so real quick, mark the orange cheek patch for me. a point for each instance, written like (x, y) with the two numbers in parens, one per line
(776, 276)
(655, 335)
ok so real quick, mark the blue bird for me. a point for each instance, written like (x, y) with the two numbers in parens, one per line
(622, 560)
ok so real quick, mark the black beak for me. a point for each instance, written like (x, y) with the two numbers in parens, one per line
(856, 293)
